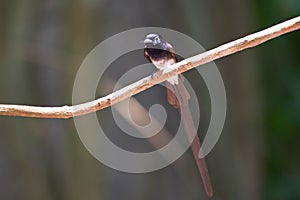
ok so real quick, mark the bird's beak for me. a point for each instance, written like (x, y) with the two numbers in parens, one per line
(147, 41)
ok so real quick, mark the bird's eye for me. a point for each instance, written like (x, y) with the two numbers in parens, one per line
(156, 39)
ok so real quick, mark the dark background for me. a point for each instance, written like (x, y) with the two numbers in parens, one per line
(42, 44)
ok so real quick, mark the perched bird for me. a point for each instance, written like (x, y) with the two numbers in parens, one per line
(162, 55)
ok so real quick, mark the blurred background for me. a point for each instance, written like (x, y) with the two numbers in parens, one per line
(42, 46)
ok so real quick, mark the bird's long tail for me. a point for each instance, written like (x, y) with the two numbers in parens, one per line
(178, 96)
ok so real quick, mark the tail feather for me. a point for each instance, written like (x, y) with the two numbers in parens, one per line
(193, 138)
(179, 96)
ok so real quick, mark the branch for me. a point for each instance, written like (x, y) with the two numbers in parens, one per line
(147, 82)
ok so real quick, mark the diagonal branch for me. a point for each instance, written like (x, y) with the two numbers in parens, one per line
(249, 41)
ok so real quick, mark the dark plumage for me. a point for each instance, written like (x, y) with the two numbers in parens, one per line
(158, 48)
(162, 55)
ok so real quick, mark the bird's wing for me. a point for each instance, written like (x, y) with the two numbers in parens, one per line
(171, 50)
(177, 93)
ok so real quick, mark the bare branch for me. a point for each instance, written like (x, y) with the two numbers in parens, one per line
(147, 82)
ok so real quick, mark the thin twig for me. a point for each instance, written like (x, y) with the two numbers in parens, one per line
(147, 82)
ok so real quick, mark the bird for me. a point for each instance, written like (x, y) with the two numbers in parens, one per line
(161, 53)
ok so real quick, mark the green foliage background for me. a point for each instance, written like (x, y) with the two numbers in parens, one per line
(280, 74)
(43, 42)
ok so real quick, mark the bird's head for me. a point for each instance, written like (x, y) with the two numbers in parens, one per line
(154, 40)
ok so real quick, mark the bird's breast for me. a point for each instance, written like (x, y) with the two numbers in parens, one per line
(162, 59)
(163, 64)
